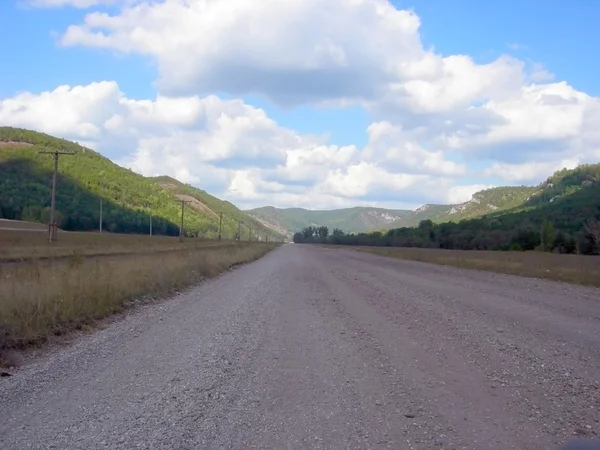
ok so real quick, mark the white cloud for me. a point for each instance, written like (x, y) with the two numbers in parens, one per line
(339, 53)
(528, 173)
(297, 51)
(434, 115)
(461, 194)
(395, 148)
(235, 150)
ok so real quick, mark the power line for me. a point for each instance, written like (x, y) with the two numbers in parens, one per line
(183, 202)
(52, 226)
(102, 185)
(220, 225)
(239, 233)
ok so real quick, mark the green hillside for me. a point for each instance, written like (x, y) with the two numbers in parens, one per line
(348, 219)
(562, 214)
(129, 199)
(483, 202)
(205, 203)
(364, 219)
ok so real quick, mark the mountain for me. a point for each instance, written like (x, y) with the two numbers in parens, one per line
(86, 177)
(562, 215)
(492, 202)
(349, 220)
(212, 206)
(363, 219)
(483, 202)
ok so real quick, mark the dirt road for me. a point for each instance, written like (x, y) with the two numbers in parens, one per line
(325, 349)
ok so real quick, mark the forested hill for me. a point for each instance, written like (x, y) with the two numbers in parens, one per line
(492, 202)
(212, 206)
(129, 199)
(347, 219)
(363, 219)
(562, 214)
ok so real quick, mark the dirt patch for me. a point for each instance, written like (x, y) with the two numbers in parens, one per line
(22, 225)
(197, 205)
(12, 144)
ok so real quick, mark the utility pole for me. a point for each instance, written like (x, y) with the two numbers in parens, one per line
(239, 234)
(52, 226)
(102, 187)
(220, 225)
(183, 202)
(150, 224)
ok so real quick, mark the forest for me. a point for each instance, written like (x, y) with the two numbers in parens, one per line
(86, 178)
(563, 216)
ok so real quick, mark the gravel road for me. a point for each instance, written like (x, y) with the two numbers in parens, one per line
(324, 349)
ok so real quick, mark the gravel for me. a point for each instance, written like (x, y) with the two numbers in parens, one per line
(324, 349)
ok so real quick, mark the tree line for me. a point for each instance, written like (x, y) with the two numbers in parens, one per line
(474, 234)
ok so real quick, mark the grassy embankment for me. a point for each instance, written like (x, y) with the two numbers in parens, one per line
(90, 276)
(576, 269)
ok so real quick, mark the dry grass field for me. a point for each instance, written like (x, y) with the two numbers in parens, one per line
(578, 269)
(49, 289)
(30, 243)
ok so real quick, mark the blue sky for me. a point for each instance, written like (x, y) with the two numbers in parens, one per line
(559, 36)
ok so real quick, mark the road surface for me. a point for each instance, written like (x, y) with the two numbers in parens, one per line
(324, 349)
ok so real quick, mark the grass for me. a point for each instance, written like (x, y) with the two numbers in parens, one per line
(43, 298)
(575, 269)
(25, 244)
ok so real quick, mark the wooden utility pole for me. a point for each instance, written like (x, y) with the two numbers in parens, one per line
(150, 224)
(220, 225)
(102, 187)
(183, 202)
(52, 226)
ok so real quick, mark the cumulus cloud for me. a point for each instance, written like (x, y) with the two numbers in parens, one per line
(236, 150)
(296, 51)
(338, 53)
(435, 117)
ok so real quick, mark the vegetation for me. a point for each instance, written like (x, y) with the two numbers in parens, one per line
(40, 299)
(25, 244)
(128, 199)
(207, 204)
(562, 217)
(577, 269)
(490, 202)
(349, 220)
(484, 202)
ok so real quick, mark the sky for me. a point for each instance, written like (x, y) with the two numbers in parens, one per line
(312, 103)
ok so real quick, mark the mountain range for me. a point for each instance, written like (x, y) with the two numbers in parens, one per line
(494, 201)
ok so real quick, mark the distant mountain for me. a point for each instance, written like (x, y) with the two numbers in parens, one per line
(483, 202)
(561, 215)
(129, 199)
(490, 202)
(349, 220)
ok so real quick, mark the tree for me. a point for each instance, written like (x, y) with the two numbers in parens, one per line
(593, 228)
(322, 232)
(337, 232)
(547, 235)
